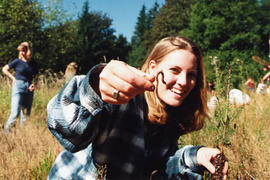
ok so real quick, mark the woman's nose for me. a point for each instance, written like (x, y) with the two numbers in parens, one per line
(182, 79)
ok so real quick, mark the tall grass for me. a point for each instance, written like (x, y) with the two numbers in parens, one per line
(246, 143)
(28, 152)
(242, 133)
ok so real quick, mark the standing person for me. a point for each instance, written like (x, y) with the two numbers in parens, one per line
(23, 88)
(266, 68)
(251, 84)
(118, 122)
(266, 78)
(213, 100)
(70, 71)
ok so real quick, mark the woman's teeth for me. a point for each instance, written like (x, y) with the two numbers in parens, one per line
(177, 91)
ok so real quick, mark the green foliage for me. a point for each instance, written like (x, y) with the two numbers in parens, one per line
(122, 48)
(229, 30)
(143, 26)
(136, 56)
(263, 16)
(20, 20)
(58, 47)
(56, 38)
(96, 39)
(54, 13)
(172, 18)
(242, 66)
(152, 13)
(224, 25)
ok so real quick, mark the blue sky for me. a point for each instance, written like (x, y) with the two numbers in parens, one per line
(123, 12)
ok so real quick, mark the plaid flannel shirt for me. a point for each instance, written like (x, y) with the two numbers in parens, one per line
(119, 136)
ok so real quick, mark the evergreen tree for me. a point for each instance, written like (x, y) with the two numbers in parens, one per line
(140, 27)
(95, 38)
(172, 18)
(58, 48)
(151, 15)
(60, 31)
(143, 25)
(122, 48)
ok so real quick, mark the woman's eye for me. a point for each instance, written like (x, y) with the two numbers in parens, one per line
(174, 70)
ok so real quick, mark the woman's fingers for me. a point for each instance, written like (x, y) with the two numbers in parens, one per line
(128, 81)
(205, 157)
(120, 92)
(144, 75)
(210, 167)
(225, 170)
(131, 75)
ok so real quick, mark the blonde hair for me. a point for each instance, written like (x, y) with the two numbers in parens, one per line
(190, 115)
(71, 71)
(24, 47)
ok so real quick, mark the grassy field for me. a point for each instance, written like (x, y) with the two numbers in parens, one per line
(242, 133)
(28, 152)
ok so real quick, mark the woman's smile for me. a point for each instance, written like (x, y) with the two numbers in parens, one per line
(177, 92)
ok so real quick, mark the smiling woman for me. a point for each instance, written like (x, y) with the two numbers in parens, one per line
(134, 134)
(182, 60)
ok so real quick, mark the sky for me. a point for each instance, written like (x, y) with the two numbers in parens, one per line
(124, 13)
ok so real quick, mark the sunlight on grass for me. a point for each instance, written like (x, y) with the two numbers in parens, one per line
(28, 152)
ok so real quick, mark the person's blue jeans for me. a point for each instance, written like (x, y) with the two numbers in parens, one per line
(21, 103)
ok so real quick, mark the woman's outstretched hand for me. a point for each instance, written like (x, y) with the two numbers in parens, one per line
(119, 82)
(206, 155)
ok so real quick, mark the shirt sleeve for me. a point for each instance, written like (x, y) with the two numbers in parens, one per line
(73, 113)
(184, 164)
(13, 63)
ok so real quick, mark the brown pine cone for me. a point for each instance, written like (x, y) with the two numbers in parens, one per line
(219, 162)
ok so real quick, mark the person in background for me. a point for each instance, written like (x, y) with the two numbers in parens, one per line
(23, 88)
(118, 122)
(211, 88)
(70, 71)
(212, 98)
(262, 87)
(251, 84)
(266, 78)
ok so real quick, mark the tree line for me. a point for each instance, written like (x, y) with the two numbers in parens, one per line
(57, 39)
(228, 32)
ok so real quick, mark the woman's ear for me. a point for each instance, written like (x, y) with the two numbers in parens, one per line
(152, 66)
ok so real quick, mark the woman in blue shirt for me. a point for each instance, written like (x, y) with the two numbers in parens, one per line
(118, 122)
(23, 88)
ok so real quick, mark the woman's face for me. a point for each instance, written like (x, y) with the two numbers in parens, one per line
(180, 71)
(22, 54)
